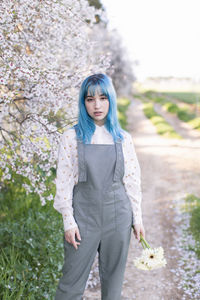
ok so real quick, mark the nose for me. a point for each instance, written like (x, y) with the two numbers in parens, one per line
(97, 103)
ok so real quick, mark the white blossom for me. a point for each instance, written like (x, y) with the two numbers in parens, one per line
(46, 52)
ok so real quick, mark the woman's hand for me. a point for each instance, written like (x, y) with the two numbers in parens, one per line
(138, 229)
(70, 236)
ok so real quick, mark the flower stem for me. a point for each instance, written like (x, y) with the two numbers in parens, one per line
(143, 245)
(144, 242)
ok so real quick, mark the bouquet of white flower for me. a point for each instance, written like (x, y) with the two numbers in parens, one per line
(151, 258)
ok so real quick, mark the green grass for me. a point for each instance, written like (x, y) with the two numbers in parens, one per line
(183, 113)
(195, 123)
(162, 127)
(154, 96)
(190, 98)
(122, 106)
(187, 97)
(31, 245)
(192, 205)
(160, 100)
(149, 94)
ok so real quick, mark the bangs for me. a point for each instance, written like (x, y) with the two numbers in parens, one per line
(97, 88)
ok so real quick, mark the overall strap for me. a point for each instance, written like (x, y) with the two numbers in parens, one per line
(119, 167)
(82, 177)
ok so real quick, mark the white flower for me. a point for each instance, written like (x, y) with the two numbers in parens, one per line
(151, 258)
(140, 263)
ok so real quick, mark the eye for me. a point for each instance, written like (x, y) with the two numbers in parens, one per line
(89, 99)
(104, 98)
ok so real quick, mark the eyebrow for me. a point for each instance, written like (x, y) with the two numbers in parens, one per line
(93, 96)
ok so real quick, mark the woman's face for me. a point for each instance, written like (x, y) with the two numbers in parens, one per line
(97, 107)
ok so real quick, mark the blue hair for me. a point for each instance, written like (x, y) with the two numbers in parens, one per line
(86, 125)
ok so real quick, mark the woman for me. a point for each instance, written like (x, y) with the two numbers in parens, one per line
(98, 193)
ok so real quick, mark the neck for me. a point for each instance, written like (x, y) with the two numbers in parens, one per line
(99, 123)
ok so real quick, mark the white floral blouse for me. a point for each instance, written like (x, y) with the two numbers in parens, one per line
(67, 173)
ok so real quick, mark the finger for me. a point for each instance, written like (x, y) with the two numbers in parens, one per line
(138, 235)
(74, 244)
(143, 233)
(78, 235)
(135, 234)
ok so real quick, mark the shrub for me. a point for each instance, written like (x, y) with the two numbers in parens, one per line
(31, 244)
(122, 106)
(162, 126)
(149, 94)
(171, 107)
(31, 253)
(159, 100)
(157, 119)
(195, 123)
(148, 110)
(193, 205)
(184, 115)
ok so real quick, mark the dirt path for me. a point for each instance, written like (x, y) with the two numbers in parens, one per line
(180, 127)
(170, 169)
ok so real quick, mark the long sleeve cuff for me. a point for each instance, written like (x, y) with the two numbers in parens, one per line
(137, 219)
(68, 220)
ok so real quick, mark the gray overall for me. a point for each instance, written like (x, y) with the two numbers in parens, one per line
(104, 216)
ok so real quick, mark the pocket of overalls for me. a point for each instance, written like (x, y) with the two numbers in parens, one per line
(80, 205)
(121, 195)
(124, 213)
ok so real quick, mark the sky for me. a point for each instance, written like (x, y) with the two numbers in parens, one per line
(163, 35)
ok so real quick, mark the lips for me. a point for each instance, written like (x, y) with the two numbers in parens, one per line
(97, 113)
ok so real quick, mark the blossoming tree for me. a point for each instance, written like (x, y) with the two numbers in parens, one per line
(45, 54)
(121, 66)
